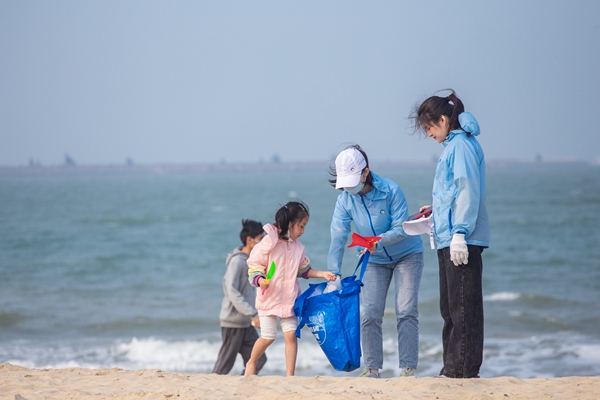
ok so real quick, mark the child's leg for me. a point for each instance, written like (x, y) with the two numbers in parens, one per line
(288, 326)
(250, 337)
(260, 346)
(268, 332)
(291, 351)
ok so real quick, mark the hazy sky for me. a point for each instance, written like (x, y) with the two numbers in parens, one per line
(200, 81)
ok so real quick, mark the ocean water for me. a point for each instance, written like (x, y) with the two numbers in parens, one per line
(124, 270)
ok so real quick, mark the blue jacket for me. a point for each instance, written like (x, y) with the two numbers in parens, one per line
(379, 212)
(459, 188)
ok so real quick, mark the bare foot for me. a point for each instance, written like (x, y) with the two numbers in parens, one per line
(250, 369)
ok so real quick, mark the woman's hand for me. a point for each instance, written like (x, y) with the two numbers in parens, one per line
(423, 208)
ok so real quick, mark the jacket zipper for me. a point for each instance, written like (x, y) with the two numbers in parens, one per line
(372, 227)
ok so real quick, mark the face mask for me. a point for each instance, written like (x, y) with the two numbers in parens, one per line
(355, 189)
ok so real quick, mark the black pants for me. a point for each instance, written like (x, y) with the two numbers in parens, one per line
(461, 306)
(236, 340)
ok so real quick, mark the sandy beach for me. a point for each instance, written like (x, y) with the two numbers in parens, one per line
(78, 383)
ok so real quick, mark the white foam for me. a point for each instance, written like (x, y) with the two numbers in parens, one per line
(522, 357)
(589, 353)
(200, 356)
(502, 296)
(538, 356)
(168, 355)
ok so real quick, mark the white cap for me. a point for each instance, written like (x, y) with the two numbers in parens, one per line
(349, 165)
(418, 226)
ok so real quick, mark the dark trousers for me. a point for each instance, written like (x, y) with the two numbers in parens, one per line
(461, 306)
(236, 340)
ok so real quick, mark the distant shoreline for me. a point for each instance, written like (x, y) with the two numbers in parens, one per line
(257, 167)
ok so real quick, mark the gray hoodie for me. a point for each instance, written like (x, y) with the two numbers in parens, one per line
(237, 307)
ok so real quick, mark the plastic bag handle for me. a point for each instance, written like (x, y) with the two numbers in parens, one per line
(304, 296)
(364, 259)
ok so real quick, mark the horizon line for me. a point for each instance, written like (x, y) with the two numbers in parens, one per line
(261, 166)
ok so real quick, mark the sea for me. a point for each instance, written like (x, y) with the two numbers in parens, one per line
(103, 268)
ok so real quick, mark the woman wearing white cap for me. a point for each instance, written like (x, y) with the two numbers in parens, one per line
(377, 207)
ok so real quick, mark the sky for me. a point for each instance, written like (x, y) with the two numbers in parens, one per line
(184, 82)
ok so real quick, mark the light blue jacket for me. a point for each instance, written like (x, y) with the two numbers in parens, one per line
(379, 212)
(459, 188)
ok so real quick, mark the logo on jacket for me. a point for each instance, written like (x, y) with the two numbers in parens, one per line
(316, 324)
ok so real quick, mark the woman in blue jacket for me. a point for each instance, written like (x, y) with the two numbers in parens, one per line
(377, 207)
(461, 227)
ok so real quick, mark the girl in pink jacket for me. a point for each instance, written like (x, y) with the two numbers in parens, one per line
(276, 298)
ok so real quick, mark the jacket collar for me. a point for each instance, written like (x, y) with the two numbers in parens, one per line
(379, 190)
(452, 134)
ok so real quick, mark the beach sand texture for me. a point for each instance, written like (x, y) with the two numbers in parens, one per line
(79, 383)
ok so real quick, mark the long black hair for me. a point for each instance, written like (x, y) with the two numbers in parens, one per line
(431, 110)
(290, 213)
(333, 173)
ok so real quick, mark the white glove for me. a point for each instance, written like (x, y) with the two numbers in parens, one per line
(459, 253)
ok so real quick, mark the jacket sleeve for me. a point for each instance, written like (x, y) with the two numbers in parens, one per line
(304, 265)
(235, 275)
(467, 183)
(259, 256)
(257, 263)
(340, 229)
(398, 214)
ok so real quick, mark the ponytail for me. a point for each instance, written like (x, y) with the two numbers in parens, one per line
(292, 212)
(457, 109)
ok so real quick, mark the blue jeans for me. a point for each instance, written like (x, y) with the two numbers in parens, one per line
(407, 279)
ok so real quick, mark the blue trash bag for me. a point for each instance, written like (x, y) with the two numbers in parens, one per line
(334, 318)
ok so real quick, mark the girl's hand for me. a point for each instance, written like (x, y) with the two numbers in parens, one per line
(329, 276)
(262, 282)
(423, 208)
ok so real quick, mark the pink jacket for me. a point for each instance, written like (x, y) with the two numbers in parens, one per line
(291, 262)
